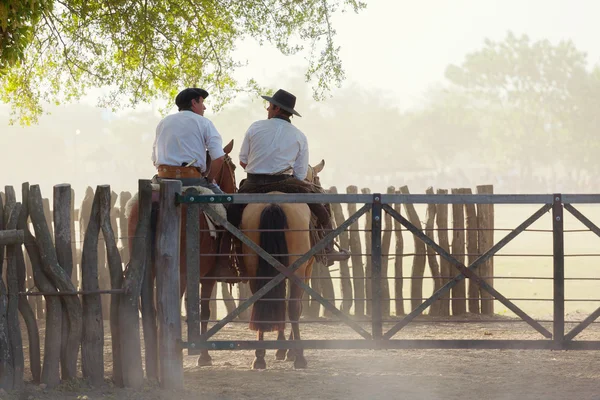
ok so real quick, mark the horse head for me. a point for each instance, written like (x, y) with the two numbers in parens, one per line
(312, 175)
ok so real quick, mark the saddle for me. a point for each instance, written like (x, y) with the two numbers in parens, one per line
(217, 207)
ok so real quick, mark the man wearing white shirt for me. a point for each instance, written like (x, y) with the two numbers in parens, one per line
(274, 154)
(182, 141)
(180, 152)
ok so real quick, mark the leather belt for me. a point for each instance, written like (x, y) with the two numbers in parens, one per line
(175, 172)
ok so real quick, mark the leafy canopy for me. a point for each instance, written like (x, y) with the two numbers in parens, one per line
(54, 50)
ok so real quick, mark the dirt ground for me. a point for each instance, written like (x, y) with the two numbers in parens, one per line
(373, 374)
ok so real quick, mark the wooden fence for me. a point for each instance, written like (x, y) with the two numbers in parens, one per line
(84, 251)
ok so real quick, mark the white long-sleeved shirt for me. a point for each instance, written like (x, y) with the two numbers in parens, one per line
(274, 145)
(185, 136)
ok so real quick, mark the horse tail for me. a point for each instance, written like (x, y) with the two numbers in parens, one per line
(268, 313)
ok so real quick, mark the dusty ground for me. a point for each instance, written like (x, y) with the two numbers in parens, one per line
(369, 374)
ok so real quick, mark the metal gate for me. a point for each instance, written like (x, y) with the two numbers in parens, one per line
(377, 337)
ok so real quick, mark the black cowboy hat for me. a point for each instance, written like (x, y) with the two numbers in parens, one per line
(285, 100)
(186, 95)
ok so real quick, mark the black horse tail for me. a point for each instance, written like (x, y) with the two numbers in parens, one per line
(268, 313)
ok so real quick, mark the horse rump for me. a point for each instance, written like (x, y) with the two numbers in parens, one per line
(268, 313)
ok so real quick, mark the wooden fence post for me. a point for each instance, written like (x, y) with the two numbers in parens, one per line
(472, 252)
(92, 356)
(129, 324)
(386, 241)
(53, 270)
(434, 266)
(418, 267)
(71, 330)
(459, 305)
(358, 273)
(167, 284)
(485, 222)
(25, 307)
(441, 219)
(345, 281)
(368, 251)
(398, 263)
(116, 278)
(50, 368)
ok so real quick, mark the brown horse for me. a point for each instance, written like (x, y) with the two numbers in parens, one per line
(286, 247)
(225, 178)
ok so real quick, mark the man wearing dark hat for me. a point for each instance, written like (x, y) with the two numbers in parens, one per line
(182, 141)
(274, 154)
(180, 151)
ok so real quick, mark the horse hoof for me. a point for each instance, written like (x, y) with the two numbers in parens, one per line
(204, 361)
(259, 363)
(300, 363)
(280, 355)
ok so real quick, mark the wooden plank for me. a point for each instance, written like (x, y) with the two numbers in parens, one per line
(345, 280)
(6, 362)
(25, 306)
(116, 279)
(368, 251)
(53, 270)
(62, 202)
(386, 242)
(398, 263)
(167, 284)
(11, 236)
(14, 327)
(29, 319)
(434, 266)
(459, 304)
(485, 221)
(124, 197)
(419, 259)
(74, 247)
(50, 367)
(92, 357)
(148, 309)
(441, 220)
(473, 253)
(358, 273)
(129, 326)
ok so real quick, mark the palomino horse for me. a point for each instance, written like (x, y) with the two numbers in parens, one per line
(286, 247)
(225, 178)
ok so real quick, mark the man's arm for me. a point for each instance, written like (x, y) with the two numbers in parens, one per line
(301, 163)
(214, 145)
(215, 167)
(245, 150)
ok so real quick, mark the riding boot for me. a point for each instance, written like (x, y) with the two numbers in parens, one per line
(332, 255)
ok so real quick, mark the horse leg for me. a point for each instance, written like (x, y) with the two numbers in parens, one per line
(280, 354)
(295, 309)
(291, 354)
(206, 288)
(259, 361)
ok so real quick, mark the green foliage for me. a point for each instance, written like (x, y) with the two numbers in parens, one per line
(535, 102)
(150, 49)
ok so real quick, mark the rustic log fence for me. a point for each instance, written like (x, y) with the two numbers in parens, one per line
(72, 277)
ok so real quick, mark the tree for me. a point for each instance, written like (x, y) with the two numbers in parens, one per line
(54, 50)
(535, 102)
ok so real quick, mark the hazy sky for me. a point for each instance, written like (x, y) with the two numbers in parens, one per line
(403, 46)
(398, 47)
